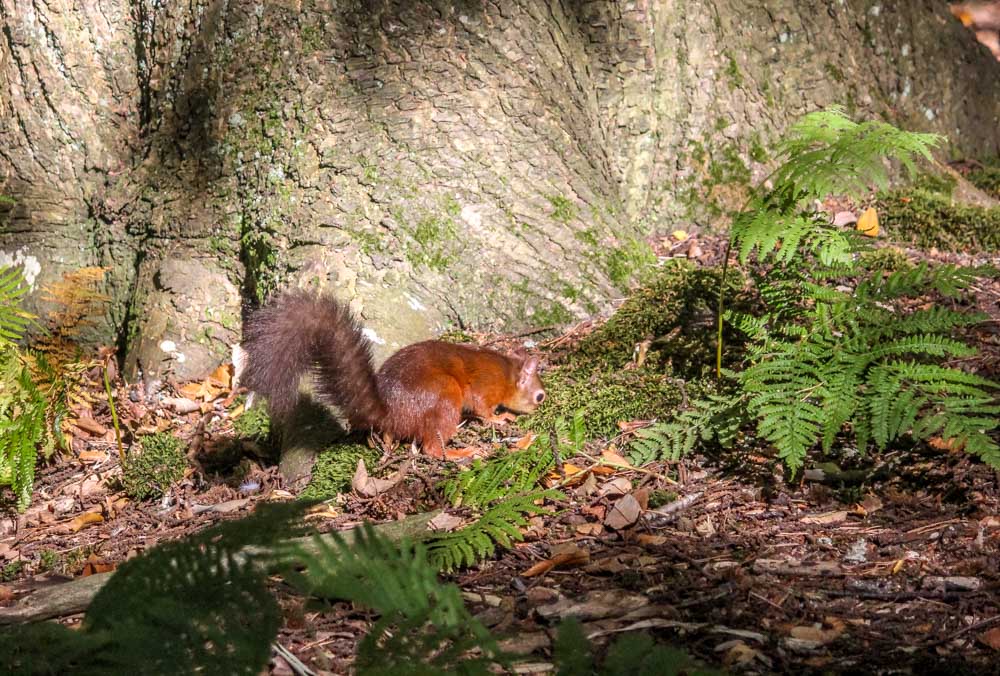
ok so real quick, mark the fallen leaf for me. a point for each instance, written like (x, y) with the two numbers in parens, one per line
(83, 520)
(705, 527)
(590, 529)
(818, 634)
(89, 457)
(596, 511)
(565, 557)
(842, 218)
(612, 457)
(369, 487)
(679, 235)
(236, 412)
(445, 522)
(827, 518)
(617, 486)
(991, 638)
(524, 441)
(868, 223)
(181, 404)
(651, 540)
(222, 376)
(952, 445)
(90, 425)
(623, 513)
(738, 654)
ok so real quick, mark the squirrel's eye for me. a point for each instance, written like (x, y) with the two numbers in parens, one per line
(539, 397)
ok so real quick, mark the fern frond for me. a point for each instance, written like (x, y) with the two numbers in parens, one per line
(718, 417)
(486, 482)
(499, 525)
(827, 153)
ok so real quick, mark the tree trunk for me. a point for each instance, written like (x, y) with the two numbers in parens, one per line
(469, 164)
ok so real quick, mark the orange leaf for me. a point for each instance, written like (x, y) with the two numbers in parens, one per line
(84, 520)
(868, 223)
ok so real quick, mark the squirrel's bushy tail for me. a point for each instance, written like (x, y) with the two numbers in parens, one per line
(301, 333)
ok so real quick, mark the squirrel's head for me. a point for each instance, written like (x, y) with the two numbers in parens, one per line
(528, 392)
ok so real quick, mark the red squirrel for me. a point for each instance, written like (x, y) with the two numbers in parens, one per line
(419, 394)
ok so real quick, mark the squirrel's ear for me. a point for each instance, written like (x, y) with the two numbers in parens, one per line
(529, 366)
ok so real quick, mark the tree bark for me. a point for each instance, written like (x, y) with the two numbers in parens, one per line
(438, 164)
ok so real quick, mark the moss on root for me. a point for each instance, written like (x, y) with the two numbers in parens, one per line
(669, 321)
(335, 468)
(986, 179)
(928, 219)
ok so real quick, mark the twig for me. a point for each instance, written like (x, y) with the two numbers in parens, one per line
(294, 662)
(598, 462)
(964, 630)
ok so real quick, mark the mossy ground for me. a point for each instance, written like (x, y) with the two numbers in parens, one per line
(928, 219)
(335, 468)
(670, 321)
(986, 179)
(159, 462)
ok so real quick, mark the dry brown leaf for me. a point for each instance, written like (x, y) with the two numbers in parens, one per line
(705, 527)
(590, 529)
(951, 445)
(651, 540)
(90, 457)
(369, 486)
(610, 456)
(524, 441)
(623, 513)
(236, 412)
(842, 218)
(181, 404)
(90, 425)
(642, 496)
(991, 638)
(617, 486)
(868, 223)
(222, 376)
(827, 518)
(566, 556)
(83, 520)
(445, 522)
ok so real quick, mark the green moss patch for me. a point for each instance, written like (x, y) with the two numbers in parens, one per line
(335, 468)
(151, 470)
(927, 219)
(986, 179)
(670, 322)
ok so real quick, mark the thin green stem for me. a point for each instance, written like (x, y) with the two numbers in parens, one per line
(114, 415)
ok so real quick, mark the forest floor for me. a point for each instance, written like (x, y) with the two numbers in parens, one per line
(899, 573)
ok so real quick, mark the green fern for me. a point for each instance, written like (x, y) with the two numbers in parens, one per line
(26, 410)
(833, 348)
(500, 525)
(423, 626)
(717, 418)
(484, 483)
